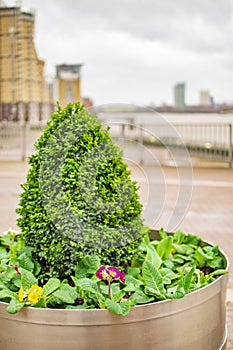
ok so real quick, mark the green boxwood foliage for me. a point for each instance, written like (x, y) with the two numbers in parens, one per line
(78, 198)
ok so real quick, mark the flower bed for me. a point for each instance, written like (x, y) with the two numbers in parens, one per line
(165, 268)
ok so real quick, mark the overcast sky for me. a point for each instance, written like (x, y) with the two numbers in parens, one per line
(135, 51)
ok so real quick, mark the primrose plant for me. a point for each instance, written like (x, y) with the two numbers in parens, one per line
(110, 274)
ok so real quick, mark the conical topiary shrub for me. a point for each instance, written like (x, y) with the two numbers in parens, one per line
(78, 198)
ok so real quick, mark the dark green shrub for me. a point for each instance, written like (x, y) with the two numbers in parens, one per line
(78, 198)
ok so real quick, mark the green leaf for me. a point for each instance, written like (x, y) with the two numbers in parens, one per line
(146, 239)
(168, 275)
(51, 286)
(133, 271)
(17, 281)
(186, 280)
(193, 240)
(6, 240)
(132, 280)
(141, 298)
(125, 307)
(14, 306)
(42, 303)
(115, 287)
(179, 237)
(216, 263)
(216, 273)
(164, 247)
(87, 266)
(82, 306)
(88, 285)
(66, 294)
(2, 285)
(129, 288)
(179, 259)
(27, 278)
(153, 256)
(152, 291)
(7, 293)
(7, 275)
(183, 249)
(152, 279)
(37, 268)
(118, 296)
(25, 262)
(175, 292)
(3, 253)
(113, 307)
(162, 233)
(169, 264)
(202, 257)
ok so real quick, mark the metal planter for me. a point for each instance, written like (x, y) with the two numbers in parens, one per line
(195, 322)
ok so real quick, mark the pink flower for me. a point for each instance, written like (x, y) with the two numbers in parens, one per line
(122, 277)
(113, 272)
(110, 273)
(100, 271)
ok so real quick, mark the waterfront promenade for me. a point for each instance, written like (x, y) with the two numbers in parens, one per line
(206, 199)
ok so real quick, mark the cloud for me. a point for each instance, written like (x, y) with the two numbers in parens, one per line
(194, 25)
(136, 50)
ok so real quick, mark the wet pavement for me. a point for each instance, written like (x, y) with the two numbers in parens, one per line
(197, 200)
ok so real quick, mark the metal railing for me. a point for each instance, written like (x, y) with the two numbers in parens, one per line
(17, 140)
(208, 141)
(202, 141)
(139, 142)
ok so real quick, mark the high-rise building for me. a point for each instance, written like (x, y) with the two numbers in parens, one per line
(24, 93)
(179, 95)
(205, 98)
(66, 87)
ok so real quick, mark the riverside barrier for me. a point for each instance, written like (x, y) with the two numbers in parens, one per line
(143, 143)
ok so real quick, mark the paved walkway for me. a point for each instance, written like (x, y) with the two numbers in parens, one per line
(200, 203)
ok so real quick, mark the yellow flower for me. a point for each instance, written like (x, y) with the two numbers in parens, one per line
(35, 294)
(21, 294)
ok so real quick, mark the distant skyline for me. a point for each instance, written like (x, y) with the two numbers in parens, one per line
(135, 51)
